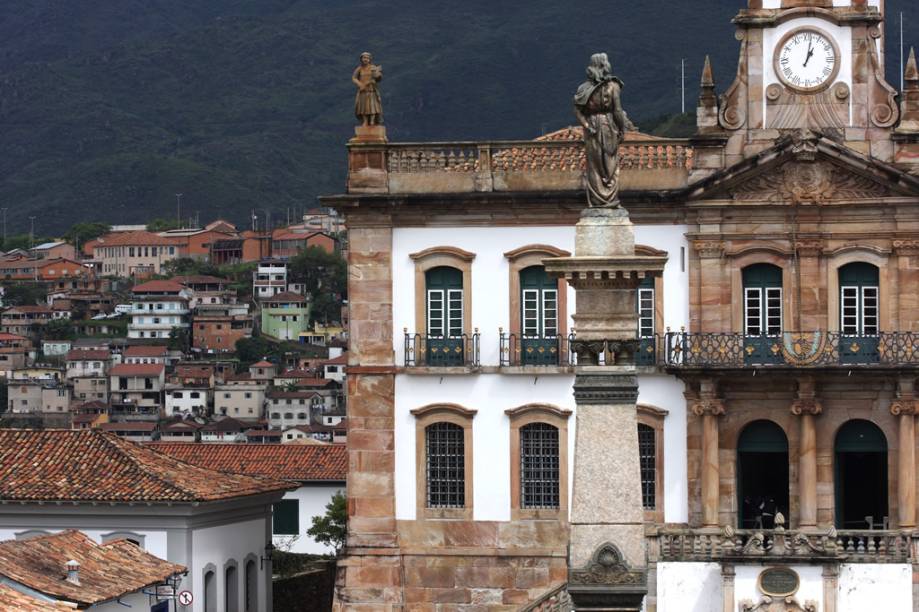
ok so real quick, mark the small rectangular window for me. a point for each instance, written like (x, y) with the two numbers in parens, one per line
(286, 517)
(753, 311)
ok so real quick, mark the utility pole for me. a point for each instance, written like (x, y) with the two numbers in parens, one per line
(683, 86)
(179, 209)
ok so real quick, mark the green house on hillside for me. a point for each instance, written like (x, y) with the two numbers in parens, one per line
(285, 315)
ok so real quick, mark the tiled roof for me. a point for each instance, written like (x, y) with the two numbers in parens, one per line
(141, 350)
(183, 371)
(291, 394)
(290, 462)
(79, 419)
(29, 308)
(107, 571)
(4, 337)
(262, 364)
(181, 426)
(93, 405)
(226, 425)
(142, 238)
(301, 373)
(200, 279)
(314, 382)
(11, 599)
(136, 426)
(137, 369)
(88, 355)
(341, 359)
(158, 286)
(94, 466)
(285, 297)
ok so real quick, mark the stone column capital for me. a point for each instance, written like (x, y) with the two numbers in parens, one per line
(906, 247)
(809, 406)
(709, 249)
(708, 407)
(904, 407)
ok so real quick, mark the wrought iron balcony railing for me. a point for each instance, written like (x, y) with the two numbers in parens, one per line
(795, 349)
(522, 350)
(423, 350)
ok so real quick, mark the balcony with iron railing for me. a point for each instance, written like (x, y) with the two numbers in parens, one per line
(813, 349)
(437, 351)
(519, 350)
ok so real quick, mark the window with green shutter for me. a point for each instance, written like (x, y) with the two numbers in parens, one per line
(286, 517)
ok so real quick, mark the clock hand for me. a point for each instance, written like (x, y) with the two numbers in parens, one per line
(810, 52)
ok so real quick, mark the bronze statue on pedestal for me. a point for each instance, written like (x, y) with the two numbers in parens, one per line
(599, 111)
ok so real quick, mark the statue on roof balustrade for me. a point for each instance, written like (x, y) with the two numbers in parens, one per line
(368, 107)
(599, 111)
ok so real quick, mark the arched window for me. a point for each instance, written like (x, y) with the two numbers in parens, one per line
(444, 304)
(539, 467)
(859, 309)
(538, 317)
(861, 476)
(762, 295)
(445, 465)
(251, 586)
(210, 591)
(231, 587)
(762, 475)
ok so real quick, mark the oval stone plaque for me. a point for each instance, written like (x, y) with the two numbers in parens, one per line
(779, 581)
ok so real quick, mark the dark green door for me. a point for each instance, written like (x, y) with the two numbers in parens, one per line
(539, 341)
(858, 313)
(444, 345)
(646, 338)
(762, 295)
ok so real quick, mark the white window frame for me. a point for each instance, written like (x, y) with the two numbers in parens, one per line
(646, 312)
(859, 293)
(767, 320)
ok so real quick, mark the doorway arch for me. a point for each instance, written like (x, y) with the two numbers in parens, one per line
(860, 479)
(762, 475)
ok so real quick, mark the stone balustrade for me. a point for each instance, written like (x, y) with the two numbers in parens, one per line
(528, 165)
(728, 544)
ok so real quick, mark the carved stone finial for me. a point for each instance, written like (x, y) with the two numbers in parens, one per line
(911, 74)
(707, 79)
(707, 111)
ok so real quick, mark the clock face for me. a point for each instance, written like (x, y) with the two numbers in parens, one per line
(807, 60)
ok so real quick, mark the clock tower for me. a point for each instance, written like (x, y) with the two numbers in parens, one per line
(807, 64)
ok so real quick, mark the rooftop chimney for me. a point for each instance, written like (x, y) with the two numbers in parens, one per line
(73, 572)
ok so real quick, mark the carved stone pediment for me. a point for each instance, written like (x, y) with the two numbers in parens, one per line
(777, 604)
(817, 182)
(806, 167)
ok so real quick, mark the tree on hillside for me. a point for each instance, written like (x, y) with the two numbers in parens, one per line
(325, 276)
(58, 329)
(161, 225)
(81, 233)
(251, 350)
(23, 294)
(186, 266)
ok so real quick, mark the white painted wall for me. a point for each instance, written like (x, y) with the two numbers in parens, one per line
(688, 587)
(490, 282)
(217, 545)
(663, 391)
(811, 588)
(871, 586)
(770, 4)
(490, 395)
(312, 502)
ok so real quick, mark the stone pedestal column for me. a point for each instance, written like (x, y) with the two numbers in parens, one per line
(709, 407)
(904, 407)
(807, 407)
(607, 556)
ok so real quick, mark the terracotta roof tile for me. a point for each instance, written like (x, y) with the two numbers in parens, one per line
(137, 369)
(88, 355)
(11, 599)
(106, 571)
(141, 238)
(285, 297)
(291, 462)
(262, 364)
(137, 426)
(158, 286)
(141, 350)
(94, 466)
(227, 424)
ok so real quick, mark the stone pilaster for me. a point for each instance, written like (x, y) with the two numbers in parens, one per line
(709, 407)
(806, 406)
(904, 408)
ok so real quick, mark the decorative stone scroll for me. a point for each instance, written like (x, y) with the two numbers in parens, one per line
(607, 567)
(708, 406)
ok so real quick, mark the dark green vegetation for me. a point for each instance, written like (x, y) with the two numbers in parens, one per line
(331, 529)
(108, 109)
